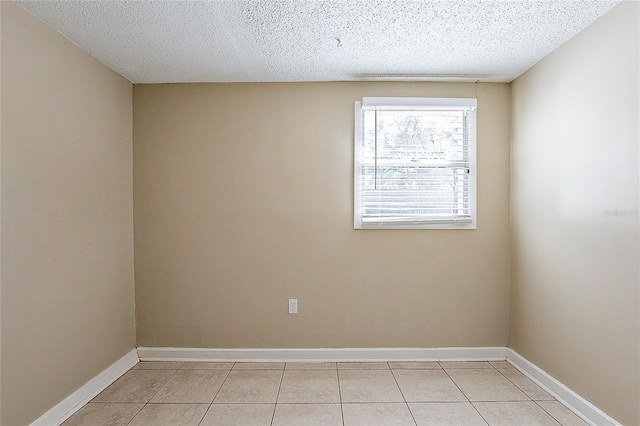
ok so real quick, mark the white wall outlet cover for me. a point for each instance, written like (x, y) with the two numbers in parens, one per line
(293, 306)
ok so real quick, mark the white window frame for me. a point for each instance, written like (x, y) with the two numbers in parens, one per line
(470, 104)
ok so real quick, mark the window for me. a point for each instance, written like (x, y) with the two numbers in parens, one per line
(415, 163)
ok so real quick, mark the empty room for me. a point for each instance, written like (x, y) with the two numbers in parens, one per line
(320, 212)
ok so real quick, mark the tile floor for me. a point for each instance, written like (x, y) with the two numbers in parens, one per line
(310, 394)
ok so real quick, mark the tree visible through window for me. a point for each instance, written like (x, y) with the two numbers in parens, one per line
(415, 163)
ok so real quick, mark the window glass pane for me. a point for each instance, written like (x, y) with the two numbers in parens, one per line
(414, 135)
(414, 166)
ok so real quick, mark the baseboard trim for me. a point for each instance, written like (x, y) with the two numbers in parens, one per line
(583, 408)
(323, 354)
(68, 406)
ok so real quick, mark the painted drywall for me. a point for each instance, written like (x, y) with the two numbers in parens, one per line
(67, 217)
(0, 209)
(574, 199)
(243, 198)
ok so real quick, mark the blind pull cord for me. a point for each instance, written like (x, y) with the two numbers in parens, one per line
(375, 150)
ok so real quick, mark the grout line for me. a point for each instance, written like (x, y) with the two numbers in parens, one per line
(204, 414)
(380, 401)
(277, 396)
(478, 411)
(429, 401)
(501, 400)
(163, 385)
(340, 394)
(154, 394)
(134, 416)
(140, 364)
(516, 385)
(465, 395)
(214, 397)
(175, 403)
(279, 403)
(454, 382)
(402, 393)
(222, 384)
(552, 416)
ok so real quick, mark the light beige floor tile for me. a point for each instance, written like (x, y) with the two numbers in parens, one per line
(104, 414)
(206, 365)
(157, 365)
(239, 414)
(170, 415)
(307, 414)
(465, 364)
(310, 366)
(526, 385)
(500, 364)
(521, 413)
(258, 366)
(486, 385)
(416, 365)
(427, 386)
(381, 414)
(363, 366)
(446, 413)
(191, 387)
(561, 413)
(309, 387)
(135, 386)
(368, 386)
(257, 386)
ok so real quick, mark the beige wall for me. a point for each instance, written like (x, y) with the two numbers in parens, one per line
(574, 294)
(243, 198)
(67, 245)
(0, 210)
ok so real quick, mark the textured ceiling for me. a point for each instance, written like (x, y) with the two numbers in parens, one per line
(337, 40)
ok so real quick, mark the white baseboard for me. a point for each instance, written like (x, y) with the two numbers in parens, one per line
(68, 406)
(583, 408)
(322, 354)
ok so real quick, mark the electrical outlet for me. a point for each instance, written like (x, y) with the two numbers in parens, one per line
(293, 306)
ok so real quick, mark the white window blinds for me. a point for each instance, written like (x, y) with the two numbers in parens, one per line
(415, 163)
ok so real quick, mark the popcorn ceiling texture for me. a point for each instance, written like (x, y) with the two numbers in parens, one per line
(293, 40)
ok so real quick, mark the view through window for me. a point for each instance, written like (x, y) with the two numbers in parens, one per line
(415, 163)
